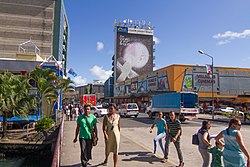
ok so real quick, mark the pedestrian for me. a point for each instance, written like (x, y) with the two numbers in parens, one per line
(173, 135)
(204, 142)
(234, 149)
(70, 109)
(161, 132)
(85, 123)
(245, 113)
(216, 152)
(67, 113)
(111, 131)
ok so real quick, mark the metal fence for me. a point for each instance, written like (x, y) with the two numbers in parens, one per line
(58, 146)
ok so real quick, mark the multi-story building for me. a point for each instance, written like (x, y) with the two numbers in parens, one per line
(109, 89)
(96, 88)
(30, 32)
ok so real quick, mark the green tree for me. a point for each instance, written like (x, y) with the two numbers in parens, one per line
(45, 80)
(14, 97)
(49, 87)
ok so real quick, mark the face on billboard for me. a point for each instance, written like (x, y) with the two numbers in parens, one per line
(162, 83)
(134, 55)
(142, 87)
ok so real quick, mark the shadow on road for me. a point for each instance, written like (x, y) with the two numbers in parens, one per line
(144, 120)
(140, 156)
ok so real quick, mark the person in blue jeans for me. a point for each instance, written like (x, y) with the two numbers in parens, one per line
(161, 131)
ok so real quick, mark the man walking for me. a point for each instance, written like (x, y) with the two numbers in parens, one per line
(174, 133)
(85, 123)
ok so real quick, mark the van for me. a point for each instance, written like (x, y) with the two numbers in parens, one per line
(129, 109)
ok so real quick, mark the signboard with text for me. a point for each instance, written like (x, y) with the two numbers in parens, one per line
(203, 82)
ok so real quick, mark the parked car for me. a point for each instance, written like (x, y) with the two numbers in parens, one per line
(129, 109)
(208, 110)
(98, 111)
(226, 109)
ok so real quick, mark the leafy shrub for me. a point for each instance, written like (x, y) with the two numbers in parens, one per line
(44, 124)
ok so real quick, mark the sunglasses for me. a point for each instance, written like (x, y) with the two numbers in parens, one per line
(238, 124)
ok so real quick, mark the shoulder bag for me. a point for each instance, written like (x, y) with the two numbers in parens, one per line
(93, 134)
(195, 139)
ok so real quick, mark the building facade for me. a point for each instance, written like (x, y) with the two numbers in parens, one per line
(93, 88)
(109, 89)
(42, 23)
(230, 85)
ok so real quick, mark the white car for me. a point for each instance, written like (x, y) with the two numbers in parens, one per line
(129, 109)
(230, 110)
(98, 111)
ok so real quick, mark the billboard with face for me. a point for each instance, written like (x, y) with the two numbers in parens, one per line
(142, 86)
(162, 84)
(134, 55)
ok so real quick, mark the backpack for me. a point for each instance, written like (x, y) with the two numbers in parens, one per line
(195, 139)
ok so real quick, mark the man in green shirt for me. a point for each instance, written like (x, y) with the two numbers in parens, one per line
(85, 123)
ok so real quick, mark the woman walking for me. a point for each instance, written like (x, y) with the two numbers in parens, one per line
(161, 131)
(234, 149)
(204, 142)
(111, 131)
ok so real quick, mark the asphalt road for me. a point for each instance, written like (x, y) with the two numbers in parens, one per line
(137, 129)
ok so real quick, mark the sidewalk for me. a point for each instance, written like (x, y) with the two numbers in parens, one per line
(131, 152)
(219, 118)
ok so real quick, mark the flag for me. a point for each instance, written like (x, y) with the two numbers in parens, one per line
(209, 68)
(72, 72)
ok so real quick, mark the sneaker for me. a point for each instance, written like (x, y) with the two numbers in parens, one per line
(164, 160)
(105, 163)
(181, 164)
(154, 155)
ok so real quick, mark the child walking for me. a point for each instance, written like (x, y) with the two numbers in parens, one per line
(216, 152)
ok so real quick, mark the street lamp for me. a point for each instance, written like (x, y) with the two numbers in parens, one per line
(201, 52)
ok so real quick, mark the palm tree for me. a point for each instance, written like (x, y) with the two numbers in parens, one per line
(45, 81)
(49, 87)
(14, 98)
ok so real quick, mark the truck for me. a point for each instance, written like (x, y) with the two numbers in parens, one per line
(88, 99)
(184, 104)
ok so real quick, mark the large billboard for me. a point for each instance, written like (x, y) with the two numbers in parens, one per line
(134, 54)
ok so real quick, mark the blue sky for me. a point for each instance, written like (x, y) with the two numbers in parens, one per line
(220, 28)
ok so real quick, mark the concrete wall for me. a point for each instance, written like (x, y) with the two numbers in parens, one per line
(22, 20)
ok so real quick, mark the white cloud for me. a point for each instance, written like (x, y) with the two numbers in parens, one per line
(79, 81)
(157, 40)
(99, 46)
(223, 42)
(233, 35)
(100, 73)
(229, 35)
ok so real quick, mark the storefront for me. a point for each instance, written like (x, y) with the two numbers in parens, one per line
(229, 84)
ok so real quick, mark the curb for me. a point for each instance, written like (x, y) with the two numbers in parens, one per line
(225, 121)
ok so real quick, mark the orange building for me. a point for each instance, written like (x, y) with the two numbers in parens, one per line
(230, 84)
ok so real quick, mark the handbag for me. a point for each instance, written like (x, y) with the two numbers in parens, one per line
(195, 139)
(93, 134)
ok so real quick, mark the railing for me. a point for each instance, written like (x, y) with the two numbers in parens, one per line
(27, 128)
(58, 147)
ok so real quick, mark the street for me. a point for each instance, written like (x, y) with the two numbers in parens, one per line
(137, 130)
